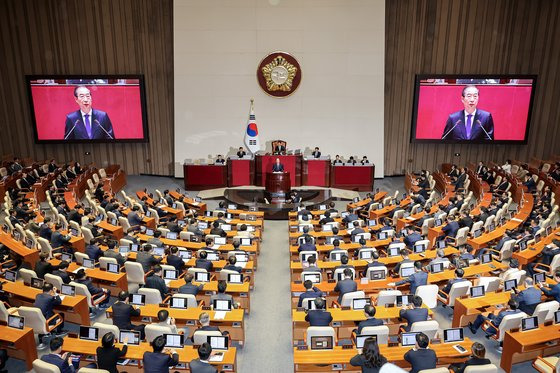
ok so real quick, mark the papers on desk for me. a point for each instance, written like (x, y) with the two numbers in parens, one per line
(167, 282)
(410, 218)
(217, 357)
(61, 296)
(76, 270)
(219, 315)
(241, 264)
(515, 219)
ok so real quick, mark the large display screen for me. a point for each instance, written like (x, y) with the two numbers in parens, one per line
(88, 108)
(472, 109)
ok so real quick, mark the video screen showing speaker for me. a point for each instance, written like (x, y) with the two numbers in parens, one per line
(472, 108)
(88, 109)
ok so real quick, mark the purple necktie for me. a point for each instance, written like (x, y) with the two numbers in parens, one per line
(88, 125)
(469, 125)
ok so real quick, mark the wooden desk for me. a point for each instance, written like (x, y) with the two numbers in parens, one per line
(240, 292)
(200, 245)
(114, 230)
(30, 256)
(361, 203)
(186, 354)
(115, 282)
(524, 346)
(529, 254)
(75, 309)
(376, 214)
(315, 361)
(233, 322)
(19, 344)
(191, 202)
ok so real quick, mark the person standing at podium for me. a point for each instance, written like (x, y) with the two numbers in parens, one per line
(277, 166)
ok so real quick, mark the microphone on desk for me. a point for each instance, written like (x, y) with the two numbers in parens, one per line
(452, 128)
(104, 130)
(75, 124)
(481, 126)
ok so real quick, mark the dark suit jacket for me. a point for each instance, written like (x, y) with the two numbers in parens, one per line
(369, 322)
(63, 275)
(122, 313)
(101, 127)
(204, 263)
(57, 360)
(482, 126)
(107, 357)
(451, 229)
(46, 303)
(176, 261)
(472, 361)
(58, 239)
(413, 315)
(45, 232)
(318, 318)
(197, 366)
(157, 362)
(345, 286)
(190, 289)
(277, 167)
(41, 268)
(420, 359)
(156, 282)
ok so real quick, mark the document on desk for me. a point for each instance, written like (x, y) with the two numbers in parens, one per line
(61, 296)
(217, 357)
(219, 315)
(76, 270)
(516, 219)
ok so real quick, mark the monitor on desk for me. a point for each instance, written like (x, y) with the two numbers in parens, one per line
(344, 214)
(403, 300)
(477, 233)
(222, 305)
(383, 235)
(438, 222)
(356, 199)
(16, 235)
(365, 254)
(510, 284)
(29, 243)
(174, 340)
(407, 271)
(174, 205)
(539, 278)
(226, 227)
(360, 339)
(529, 323)
(336, 256)
(184, 254)
(170, 274)
(181, 223)
(37, 283)
(491, 227)
(436, 267)
(242, 257)
(218, 342)
(393, 251)
(220, 240)
(441, 244)
(149, 232)
(229, 215)
(322, 207)
(213, 257)
(66, 257)
(113, 268)
(98, 218)
(360, 303)
(171, 235)
(197, 199)
(232, 206)
(538, 238)
(178, 302)
(114, 221)
(548, 230)
(6, 228)
(17, 322)
(89, 333)
(372, 222)
(123, 249)
(477, 291)
(208, 214)
(314, 277)
(327, 227)
(377, 275)
(202, 277)
(453, 335)
(419, 248)
(148, 213)
(88, 263)
(68, 290)
(301, 228)
(134, 247)
(158, 251)
(137, 299)
(486, 258)
(408, 339)
(74, 232)
(10, 276)
(235, 278)
(246, 241)
(322, 342)
(251, 228)
(132, 336)
(357, 238)
(557, 317)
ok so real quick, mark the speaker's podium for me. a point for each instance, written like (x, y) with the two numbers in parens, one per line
(277, 186)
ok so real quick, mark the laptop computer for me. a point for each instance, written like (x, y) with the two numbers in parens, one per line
(171, 235)
(37, 283)
(68, 290)
(408, 339)
(89, 333)
(174, 340)
(88, 263)
(314, 277)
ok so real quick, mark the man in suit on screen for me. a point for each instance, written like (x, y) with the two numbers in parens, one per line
(87, 123)
(277, 166)
(470, 123)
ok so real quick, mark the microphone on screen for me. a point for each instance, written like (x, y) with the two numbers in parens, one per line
(104, 130)
(452, 128)
(481, 126)
(75, 124)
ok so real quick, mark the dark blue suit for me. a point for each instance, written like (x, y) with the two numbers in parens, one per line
(553, 292)
(277, 167)
(59, 362)
(315, 293)
(411, 239)
(318, 318)
(451, 229)
(369, 322)
(176, 261)
(94, 252)
(415, 280)
(529, 299)
(157, 362)
(482, 127)
(495, 320)
(413, 315)
(345, 286)
(101, 127)
(420, 359)
(46, 303)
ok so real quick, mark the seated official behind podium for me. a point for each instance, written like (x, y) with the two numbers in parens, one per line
(280, 149)
(316, 153)
(277, 166)
(421, 357)
(370, 359)
(241, 152)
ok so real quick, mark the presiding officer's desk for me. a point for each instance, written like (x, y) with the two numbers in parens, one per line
(20, 344)
(233, 322)
(315, 361)
(88, 349)
(527, 345)
(75, 309)
(344, 321)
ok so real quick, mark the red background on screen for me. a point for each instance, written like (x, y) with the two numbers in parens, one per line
(122, 103)
(508, 104)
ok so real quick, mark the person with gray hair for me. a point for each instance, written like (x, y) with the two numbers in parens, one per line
(440, 257)
(529, 298)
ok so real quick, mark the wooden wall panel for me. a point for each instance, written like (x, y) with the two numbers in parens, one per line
(478, 37)
(88, 37)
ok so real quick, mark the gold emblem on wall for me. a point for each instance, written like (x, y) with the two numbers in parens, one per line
(279, 74)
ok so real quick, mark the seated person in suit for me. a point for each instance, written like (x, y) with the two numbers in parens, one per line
(495, 319)
(465, 252)
(356, 230)
(96, 292)
(326, 219)
(135, 216)
(62, 361)
(552, 291)
(155, 240)
(46, 302)
(347, 285)
(154, 281)
(477, 358)
(421, 357)
(221, 294)
(175, 260)
(319, 316)
(405, 259)
(43, 266)
(459, 273)
(216, 230)
(189, 288)
(351, 161)
(62, 272)
(279, 148)
(418, 278)
(440, 257)
(241, 152)
(108, 355)
(231, 266)
(413, 312)
(203, 262)
(343, 262)
(277, 166)
(308, 245)
(316, 153)
(146, 258)
(202, 365)
(112, 252)
(220, 160)
(412, 237)
(337, 160)
(529, 298)
(364, 161)
(310, 292)
(123, 313)
(161, 359)
(311, 265)
(58, 239)
(93, 250)
(451, 228)
(369, 312)
(370, 359)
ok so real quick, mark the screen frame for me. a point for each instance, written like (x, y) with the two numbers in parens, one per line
(416, 97)
(143, 106)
